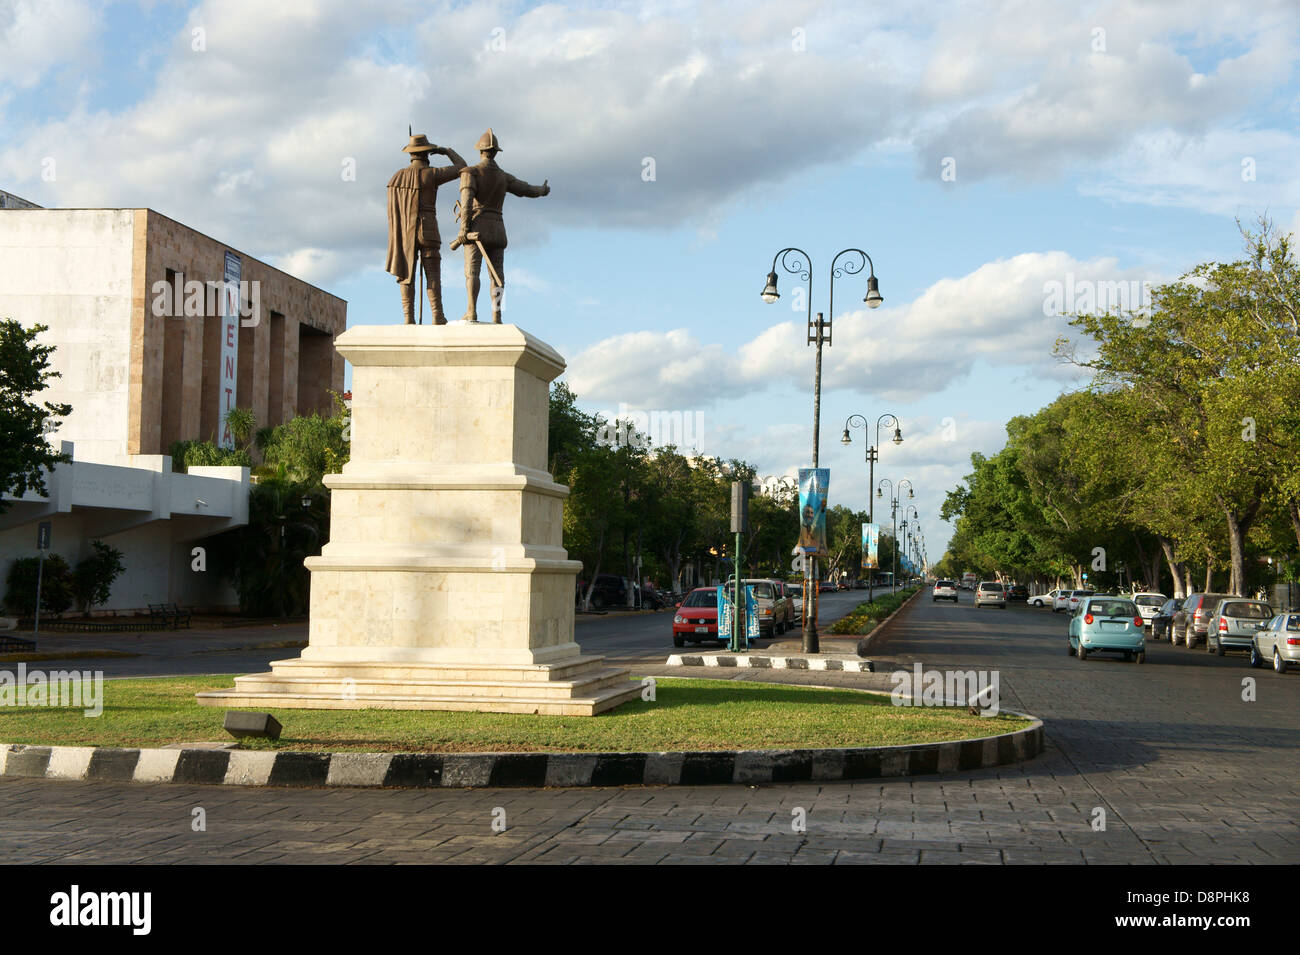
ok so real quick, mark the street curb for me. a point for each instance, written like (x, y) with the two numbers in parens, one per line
(867, 642)
(763, 662)
(503, 770)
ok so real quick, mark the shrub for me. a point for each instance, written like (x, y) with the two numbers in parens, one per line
(56, 585)
(92, 581)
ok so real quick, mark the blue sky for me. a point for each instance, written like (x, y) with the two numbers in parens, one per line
(1087, 142)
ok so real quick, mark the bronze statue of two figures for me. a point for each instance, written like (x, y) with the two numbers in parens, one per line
(413, 241)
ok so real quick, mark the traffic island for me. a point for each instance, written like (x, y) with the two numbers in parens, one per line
(693, 732)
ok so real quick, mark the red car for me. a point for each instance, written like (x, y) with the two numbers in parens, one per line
(696, 618)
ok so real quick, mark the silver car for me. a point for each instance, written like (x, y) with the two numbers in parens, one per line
(1234, 623)
(1277, 641)
(991, 592)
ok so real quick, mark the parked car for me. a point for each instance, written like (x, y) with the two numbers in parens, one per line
(696, 619)
(992, 593)
(1163, 621)
(1107, 625)
(1234, 623)
(945, 590)
(1277, 641)
(1149, 604)
(1072, 599)
(775, 610)
(1194, 617)
(1061, 601)
(1018, 592)
(610, 591)
(1044, 600)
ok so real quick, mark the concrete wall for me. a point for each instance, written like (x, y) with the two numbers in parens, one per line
(182, 365)
(150, 513)
(70, 269)
(138, 380)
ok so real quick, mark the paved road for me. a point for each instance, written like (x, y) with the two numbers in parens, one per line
(1183, 769)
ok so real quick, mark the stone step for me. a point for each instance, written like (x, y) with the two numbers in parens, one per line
(419, 670)
(586, 685)
(598, 702)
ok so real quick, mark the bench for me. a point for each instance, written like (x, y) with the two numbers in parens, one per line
(169, 614)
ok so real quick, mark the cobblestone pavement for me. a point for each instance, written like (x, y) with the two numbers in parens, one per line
(1184, 770)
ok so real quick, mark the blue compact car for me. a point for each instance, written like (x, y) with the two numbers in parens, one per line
(1107, 625)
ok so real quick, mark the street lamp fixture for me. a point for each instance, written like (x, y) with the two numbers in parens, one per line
(873, 297)
(770, 294)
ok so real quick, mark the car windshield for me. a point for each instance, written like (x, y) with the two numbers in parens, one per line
(1247, 610)
(1112, 608)
(701, 598)
(1083, 593)
(945, 583)
(1152, 600)
(762, 591)
(1169, 606)
(990, 586)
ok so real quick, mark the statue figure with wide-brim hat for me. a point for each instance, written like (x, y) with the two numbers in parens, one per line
(483, 190)
(413, 239)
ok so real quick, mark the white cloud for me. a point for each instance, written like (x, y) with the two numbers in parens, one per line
(248, 137)
(37, 36)
(1001, 314)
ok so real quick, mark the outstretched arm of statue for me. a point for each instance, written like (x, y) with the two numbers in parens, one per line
(517, 187)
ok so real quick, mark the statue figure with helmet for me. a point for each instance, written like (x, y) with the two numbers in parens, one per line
(413, 239)
(483, 189)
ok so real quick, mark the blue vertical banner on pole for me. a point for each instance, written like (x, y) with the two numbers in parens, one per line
(870, 547)
(813, 484)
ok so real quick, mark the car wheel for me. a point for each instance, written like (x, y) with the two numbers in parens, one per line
(1256, 660)
(1082, 652)
(1069, 648)
(1218, 647)
(1141, 656)
(1128, 657)
(1279, 665)
(679, 641)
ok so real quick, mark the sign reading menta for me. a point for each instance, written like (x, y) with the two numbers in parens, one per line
(229, 344)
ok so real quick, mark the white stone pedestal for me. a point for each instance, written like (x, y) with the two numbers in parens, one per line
(445, 584)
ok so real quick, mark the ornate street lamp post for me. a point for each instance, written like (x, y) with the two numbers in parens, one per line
(873, 453)
(798, 262)
(893, 510)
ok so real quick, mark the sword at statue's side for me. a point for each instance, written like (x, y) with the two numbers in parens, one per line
(473, 237)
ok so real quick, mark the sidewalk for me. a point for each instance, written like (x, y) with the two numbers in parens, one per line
(171, 642)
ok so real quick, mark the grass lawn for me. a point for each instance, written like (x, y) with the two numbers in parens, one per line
(687, 715)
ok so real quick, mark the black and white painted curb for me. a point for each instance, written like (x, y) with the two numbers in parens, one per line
(459, 770)
(762, 662)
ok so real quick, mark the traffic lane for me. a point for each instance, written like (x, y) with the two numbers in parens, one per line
(648, 639)
(1175, 749)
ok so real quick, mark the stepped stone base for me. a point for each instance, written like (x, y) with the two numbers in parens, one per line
(582, 686)
(445, 584)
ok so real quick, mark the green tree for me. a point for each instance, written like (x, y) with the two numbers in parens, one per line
(92, 580)
(25, 372)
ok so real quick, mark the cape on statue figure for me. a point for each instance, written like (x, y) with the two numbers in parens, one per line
(413, 239)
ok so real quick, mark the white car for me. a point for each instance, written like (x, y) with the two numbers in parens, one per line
(1044, 600)
(1061, 601)
(1148, 605)
(1076, 597)
(991, 592)
(945, 590)
(1277, 643)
